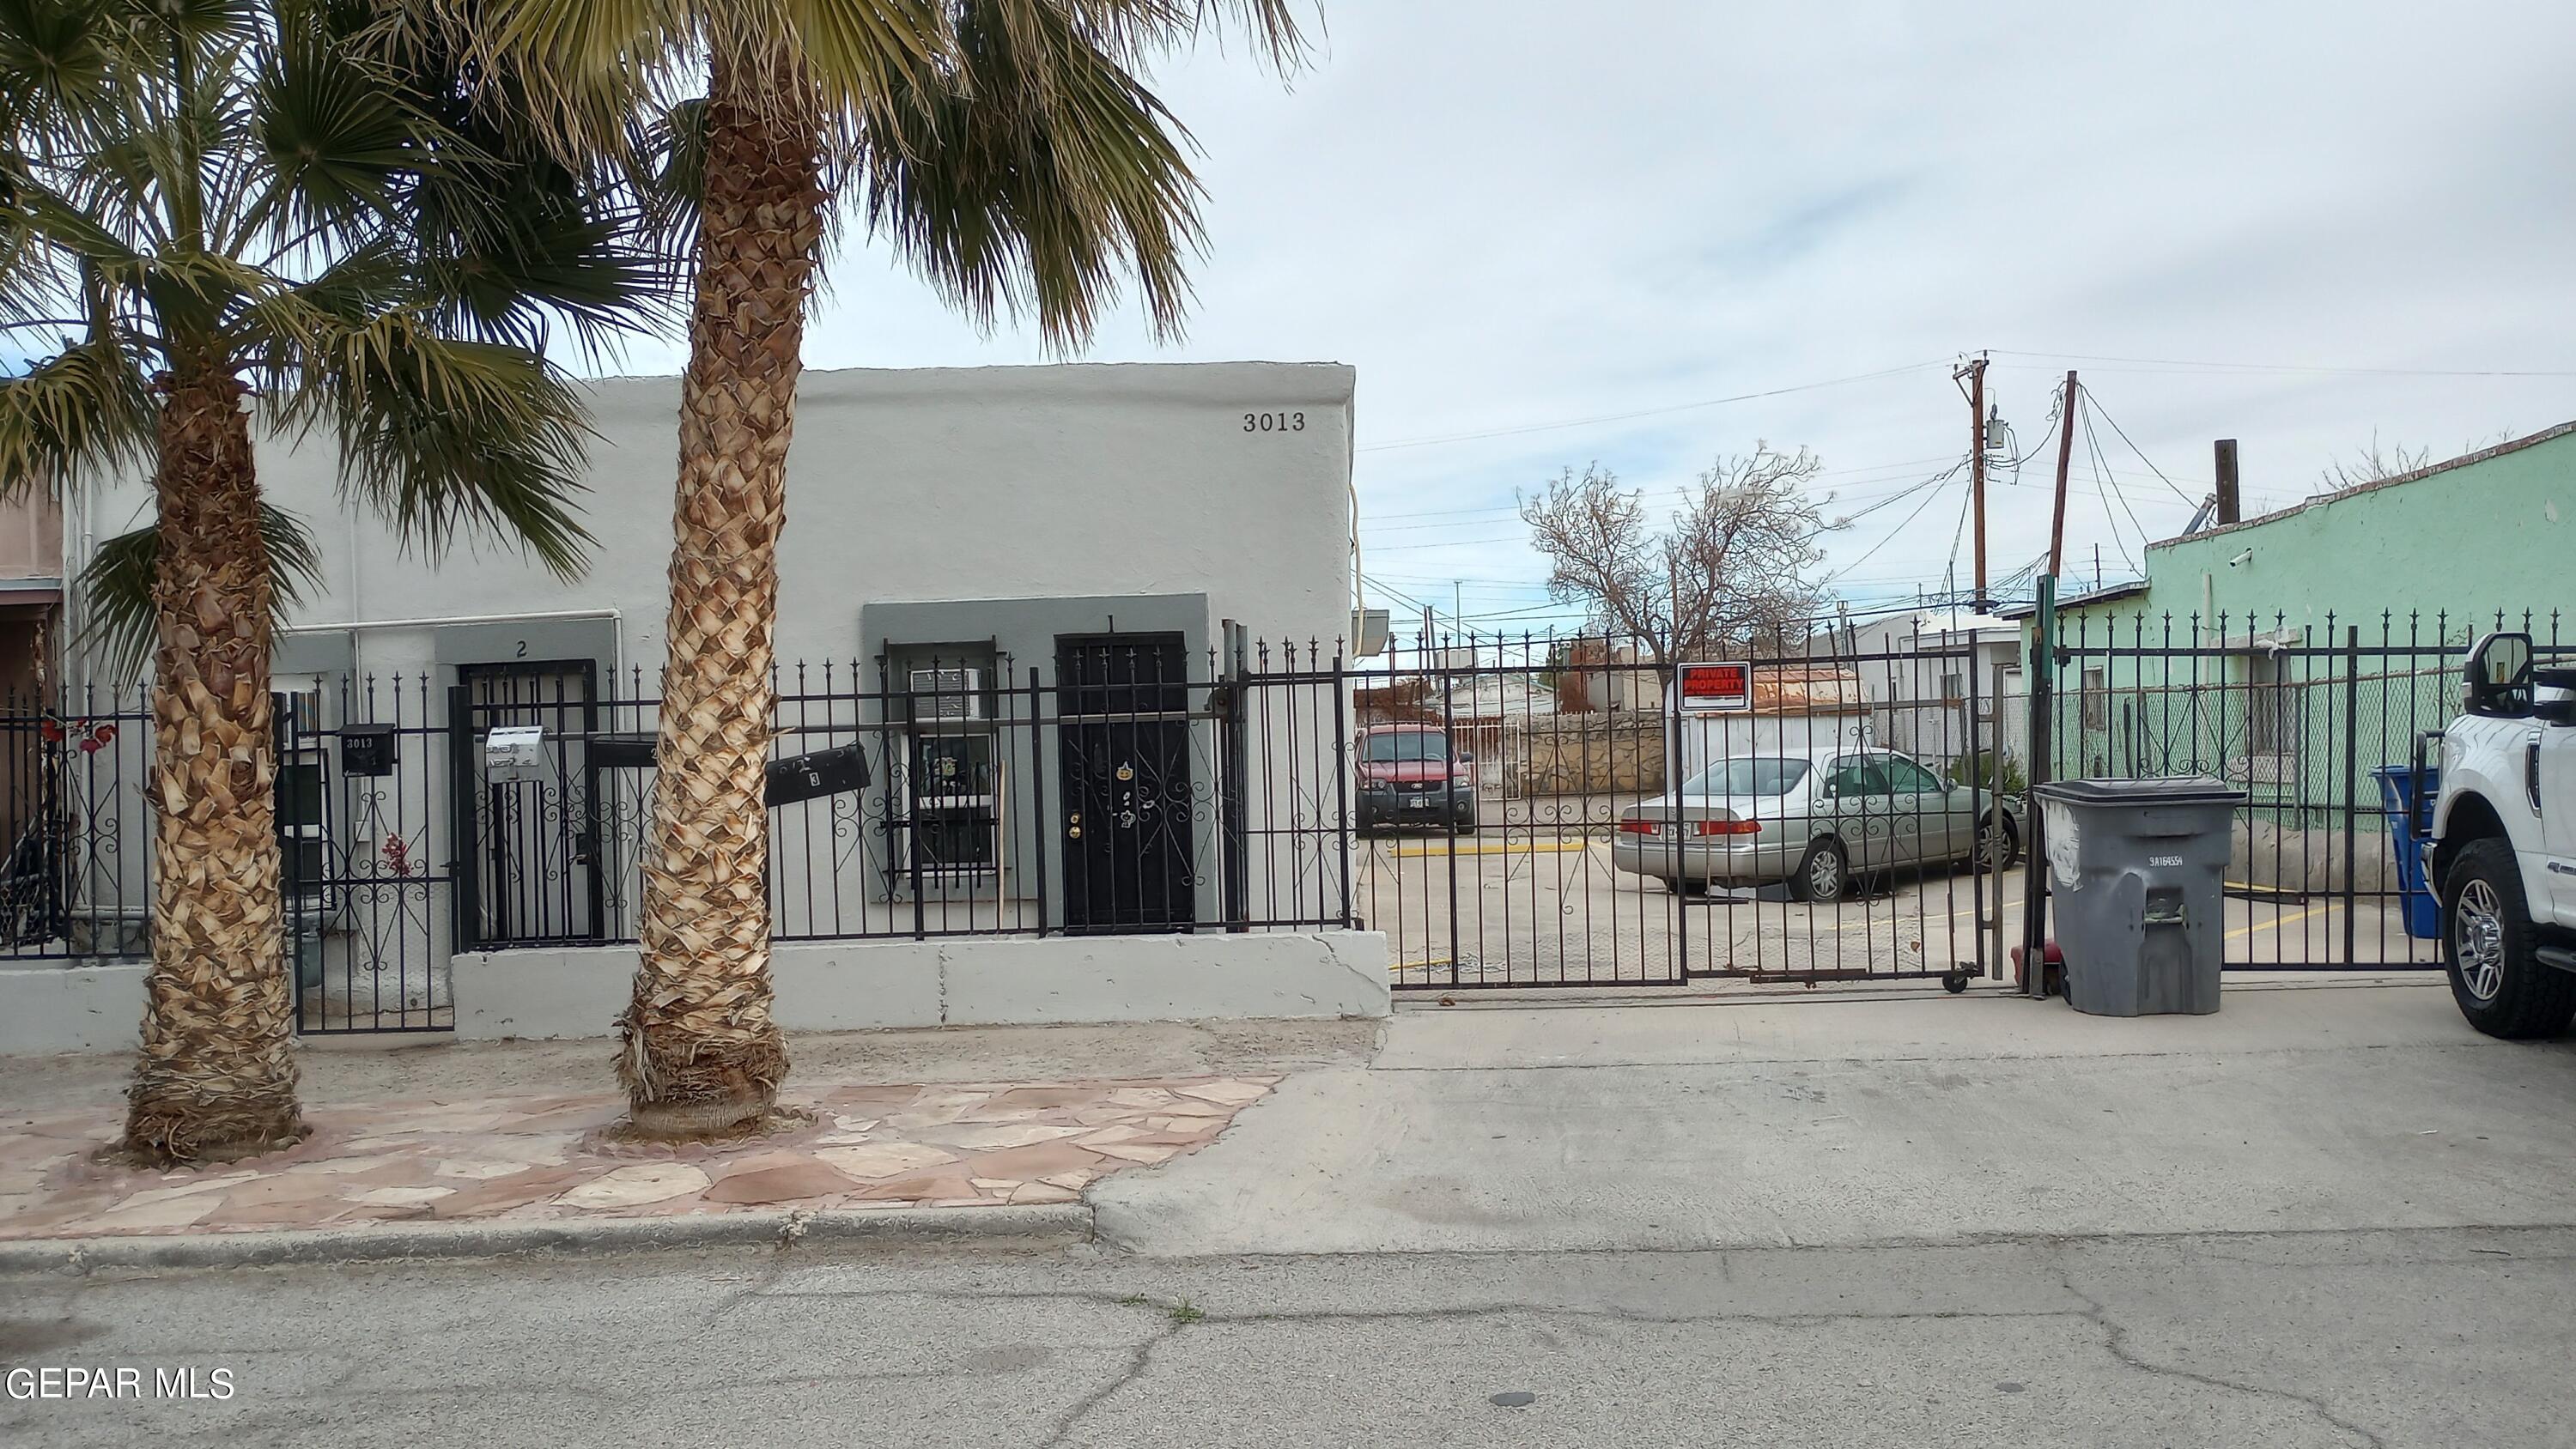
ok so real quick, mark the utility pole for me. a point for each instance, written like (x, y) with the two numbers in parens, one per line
(1974, 371)
(2229, 510)
(2065, 455)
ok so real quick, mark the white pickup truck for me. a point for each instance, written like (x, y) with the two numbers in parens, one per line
(2503, 857)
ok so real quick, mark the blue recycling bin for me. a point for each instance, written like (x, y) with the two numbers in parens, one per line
(2400, 786)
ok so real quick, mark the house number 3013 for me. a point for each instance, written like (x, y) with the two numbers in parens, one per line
(1274, 422)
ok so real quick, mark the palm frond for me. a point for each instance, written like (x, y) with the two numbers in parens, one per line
(515, 231)
(672, 142)
(1133, 31)
(847, 54)
(59, 56)
(339, 142)
(117, 584)
(83, 412)
(582, 69)
(1035, 177)
(445, 437)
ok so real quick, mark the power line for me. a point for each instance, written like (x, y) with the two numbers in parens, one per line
(1879, 473)
(1644, 413)
(1890, 534)
(2093, 446)
(2288, 367)
(2095, 404)
(1446, 543)
(1858, 473)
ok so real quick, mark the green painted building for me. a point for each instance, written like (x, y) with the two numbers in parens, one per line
(2492, 531)
(2294, 653)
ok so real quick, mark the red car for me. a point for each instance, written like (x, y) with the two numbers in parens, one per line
(1409, 776)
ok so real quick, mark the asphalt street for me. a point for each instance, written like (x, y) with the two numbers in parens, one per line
(2324, 1216)
(2435, 1338)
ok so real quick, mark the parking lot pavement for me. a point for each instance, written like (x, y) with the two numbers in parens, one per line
(1543, 908)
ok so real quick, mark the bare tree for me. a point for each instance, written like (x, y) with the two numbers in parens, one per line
(1729, 570)
(2372, 465)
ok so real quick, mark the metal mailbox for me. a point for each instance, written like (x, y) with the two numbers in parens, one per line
(515, 752)
(824, 772)
(368, 750)
(622, 751)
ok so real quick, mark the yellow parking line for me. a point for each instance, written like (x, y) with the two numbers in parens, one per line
(2278, 921)
(1420, 965)
(1497, 847)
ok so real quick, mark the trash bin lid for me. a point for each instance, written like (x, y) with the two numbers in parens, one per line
(2182, 790)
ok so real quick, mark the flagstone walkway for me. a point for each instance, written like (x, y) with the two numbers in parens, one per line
(549, 1158)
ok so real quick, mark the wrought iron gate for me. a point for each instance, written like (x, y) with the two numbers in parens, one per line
(1840, 821)
(367, 869)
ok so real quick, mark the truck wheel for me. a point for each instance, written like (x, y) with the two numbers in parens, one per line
(2487, 942)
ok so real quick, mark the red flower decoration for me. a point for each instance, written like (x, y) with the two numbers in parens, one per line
(89, 747)
(52, 731)
(103, 733)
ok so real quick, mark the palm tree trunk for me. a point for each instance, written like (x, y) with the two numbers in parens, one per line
(701, 1053)
(217, 1074)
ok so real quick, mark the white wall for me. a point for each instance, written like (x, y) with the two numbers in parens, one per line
(917, 487)
(58, 1006)
(903, 485)
(966, 981)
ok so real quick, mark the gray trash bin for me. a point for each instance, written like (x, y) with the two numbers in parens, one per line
(2136, 871)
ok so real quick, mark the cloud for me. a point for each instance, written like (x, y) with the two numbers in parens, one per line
(1514, 212)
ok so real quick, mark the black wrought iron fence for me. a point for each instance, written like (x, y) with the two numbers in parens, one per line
(71, 792)
(1138, 787)
(1824, 813)
(2319, 722)
(1134, 788)
(1542, 810)
(360, 843)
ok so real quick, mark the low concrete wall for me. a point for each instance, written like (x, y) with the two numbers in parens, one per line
(855, 985)
(63, 1008)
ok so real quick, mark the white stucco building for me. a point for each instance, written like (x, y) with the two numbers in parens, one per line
(1931, 678)
(1009, 590)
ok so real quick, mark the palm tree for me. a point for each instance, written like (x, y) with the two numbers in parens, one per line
(308, 212)
(1008, 150)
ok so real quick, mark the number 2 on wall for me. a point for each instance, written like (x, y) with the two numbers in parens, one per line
(1274, 422)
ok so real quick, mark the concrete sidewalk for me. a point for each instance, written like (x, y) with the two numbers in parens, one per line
(1854, 1120)
(556, 1161)
(510, 1139)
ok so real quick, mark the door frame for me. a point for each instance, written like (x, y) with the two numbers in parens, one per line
(1179, 897)
(473, 797)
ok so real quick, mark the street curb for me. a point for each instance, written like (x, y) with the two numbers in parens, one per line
(431, 1241)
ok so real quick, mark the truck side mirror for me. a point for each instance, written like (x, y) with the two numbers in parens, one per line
(2497, 677)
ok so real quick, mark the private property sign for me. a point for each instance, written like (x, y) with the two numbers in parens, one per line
(1725, 688)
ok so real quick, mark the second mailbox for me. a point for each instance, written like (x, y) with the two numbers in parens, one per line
(824, 772)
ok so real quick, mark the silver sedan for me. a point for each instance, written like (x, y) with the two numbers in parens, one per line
(1815, 820)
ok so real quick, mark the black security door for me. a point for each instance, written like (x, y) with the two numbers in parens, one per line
(1128, 806)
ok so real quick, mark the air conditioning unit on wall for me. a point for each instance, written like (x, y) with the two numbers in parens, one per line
(948, 694)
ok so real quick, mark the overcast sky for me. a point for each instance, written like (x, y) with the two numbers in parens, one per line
(1509, 214)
